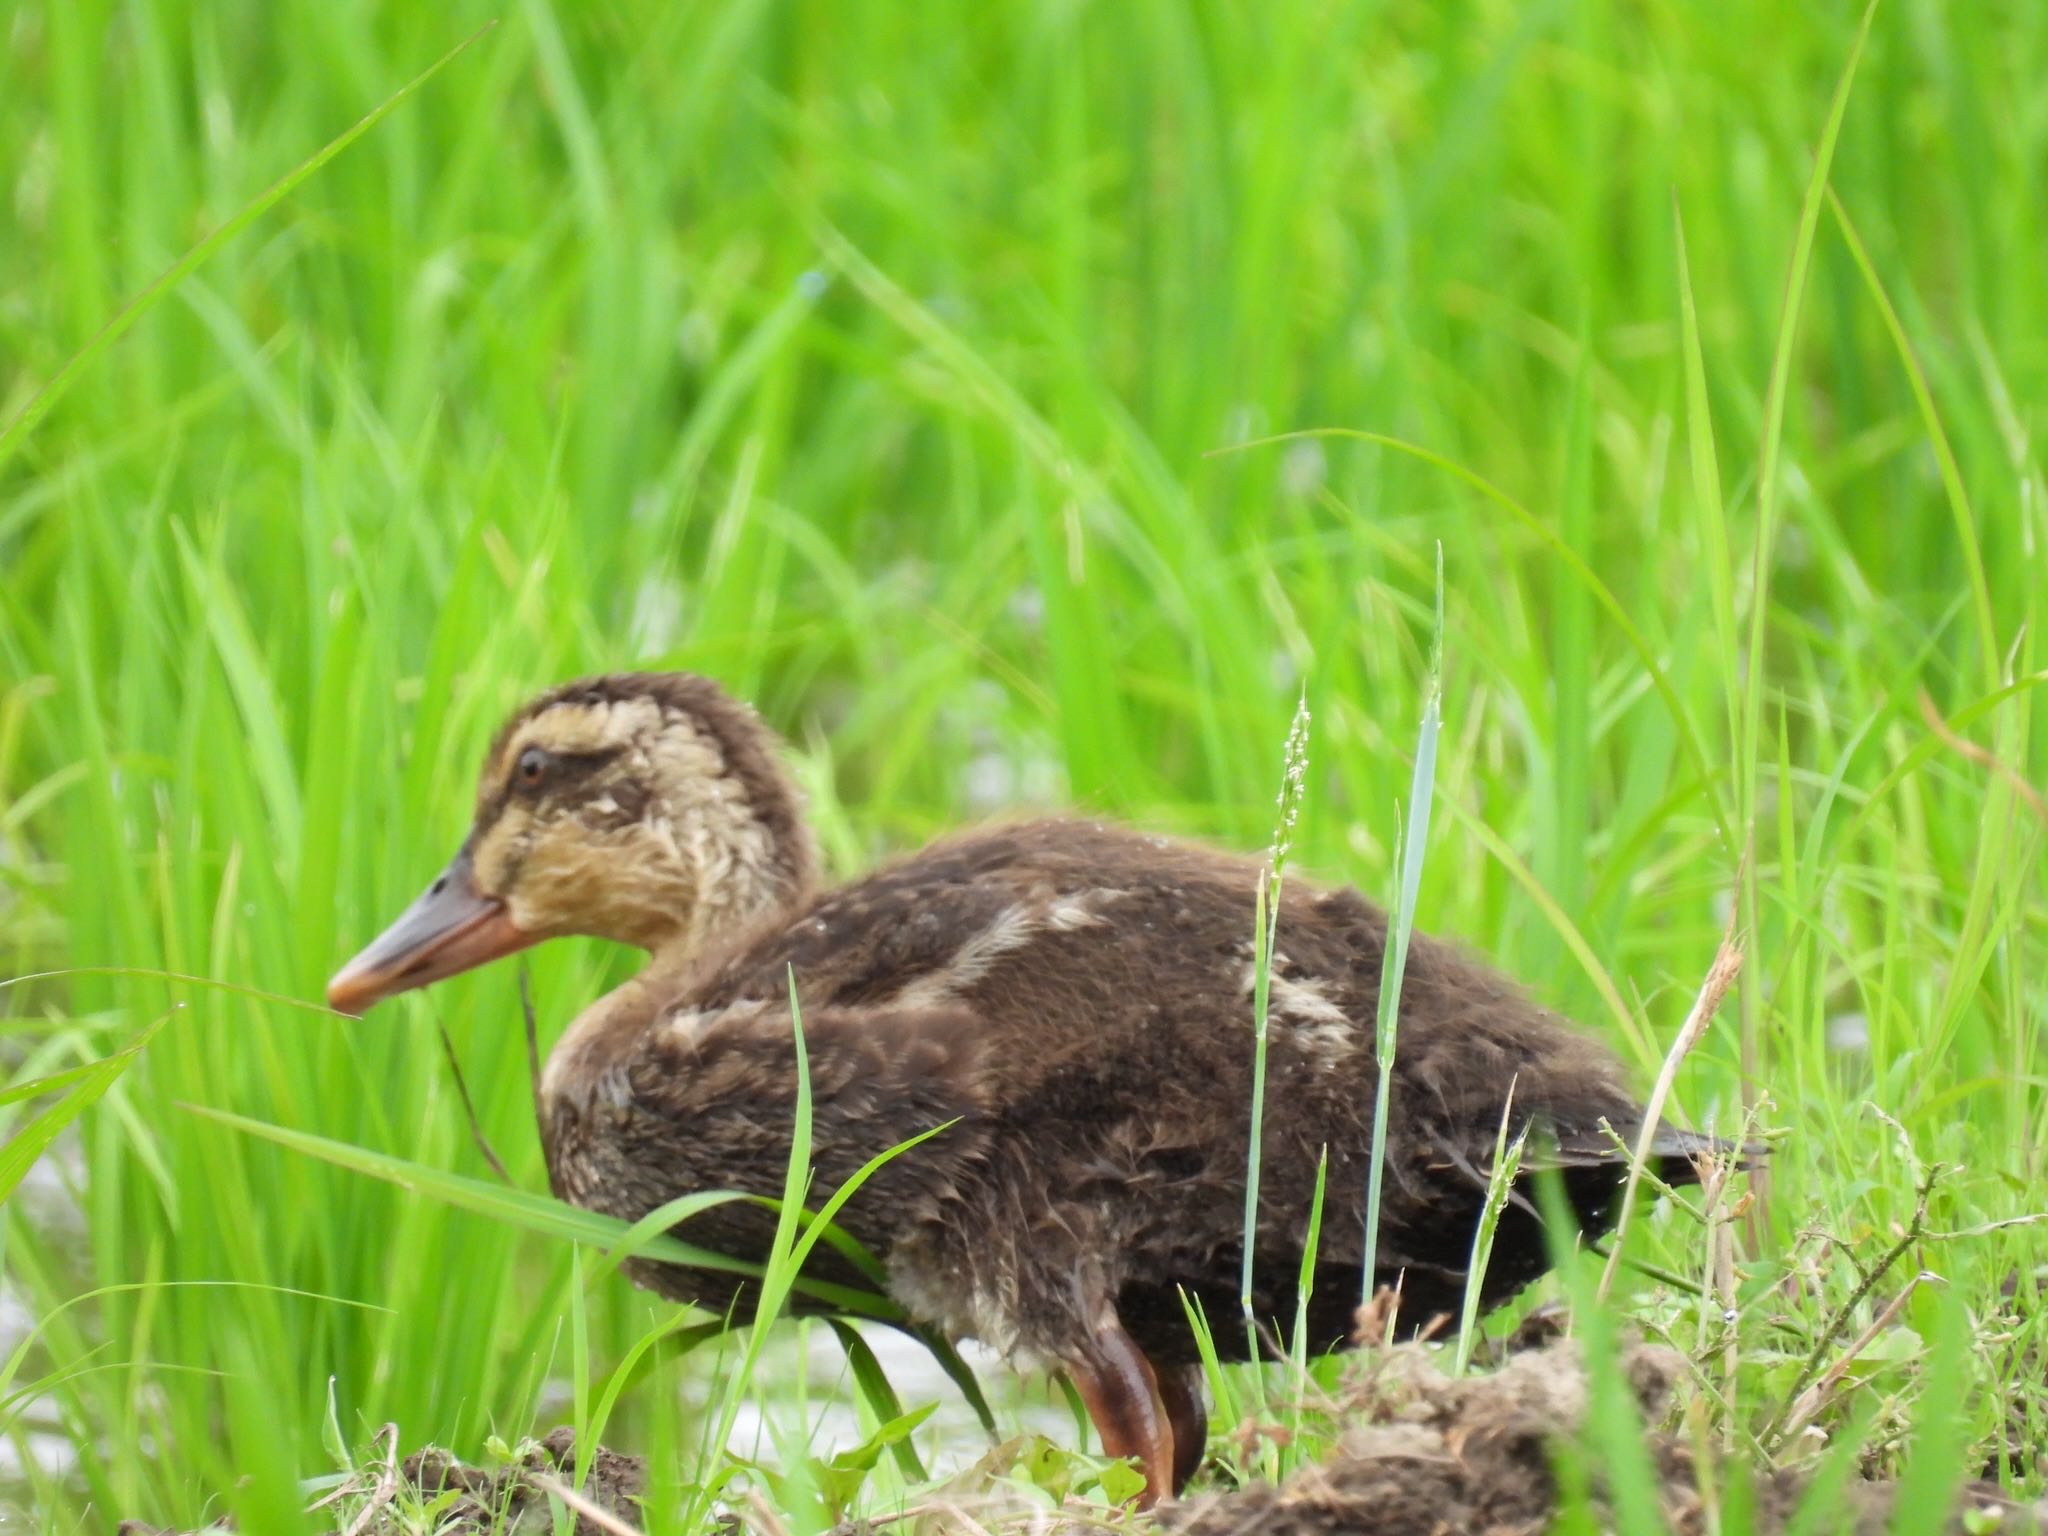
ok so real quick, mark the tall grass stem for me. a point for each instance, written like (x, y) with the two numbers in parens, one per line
(1412, 847)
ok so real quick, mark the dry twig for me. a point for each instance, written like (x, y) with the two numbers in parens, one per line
(476, 1129)
(387, 1484)
(1963, 747)
(1720, 976)
(1809, 1402)
(578, 1505)
(1916, 1230)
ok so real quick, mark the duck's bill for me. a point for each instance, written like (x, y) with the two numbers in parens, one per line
(452, 928)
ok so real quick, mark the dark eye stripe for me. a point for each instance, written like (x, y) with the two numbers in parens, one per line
(565, 774)
(557, 770)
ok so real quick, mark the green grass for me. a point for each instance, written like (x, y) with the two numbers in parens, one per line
(877, 363)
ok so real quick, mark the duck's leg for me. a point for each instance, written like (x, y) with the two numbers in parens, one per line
(1121, 1392)
(1180, 1393)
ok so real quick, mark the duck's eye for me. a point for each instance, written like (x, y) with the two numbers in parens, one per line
(532, 768)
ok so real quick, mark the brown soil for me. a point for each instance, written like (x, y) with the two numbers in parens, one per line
(1426, 1455)
(508, 1501)
(1433, 1456)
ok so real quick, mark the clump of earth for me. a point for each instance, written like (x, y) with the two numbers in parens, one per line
(516, 1499)
(1423, 1454)
(1431, 1455)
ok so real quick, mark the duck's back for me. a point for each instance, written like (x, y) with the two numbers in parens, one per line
(1092, 950)
(1111, 978)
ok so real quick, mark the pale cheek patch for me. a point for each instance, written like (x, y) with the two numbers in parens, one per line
(492, 857)
(577, 881)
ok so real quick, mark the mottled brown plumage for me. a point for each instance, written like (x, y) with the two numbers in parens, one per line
(1075, 997)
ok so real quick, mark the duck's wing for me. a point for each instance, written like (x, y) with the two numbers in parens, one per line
(650, 1102)
(869, 942)
(978, 910)
(659, 1099)
(720, 1091)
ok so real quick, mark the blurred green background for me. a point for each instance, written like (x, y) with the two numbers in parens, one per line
(885, 362)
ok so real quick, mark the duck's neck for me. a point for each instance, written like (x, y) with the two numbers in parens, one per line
(595, 1047)
(753, 887)
(740, 849)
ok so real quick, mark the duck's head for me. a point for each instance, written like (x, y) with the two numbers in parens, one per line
(643, 807)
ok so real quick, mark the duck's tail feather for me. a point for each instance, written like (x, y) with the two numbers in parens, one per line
(1675, 1154)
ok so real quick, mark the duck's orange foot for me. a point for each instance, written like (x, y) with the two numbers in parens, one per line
(1122, 1395)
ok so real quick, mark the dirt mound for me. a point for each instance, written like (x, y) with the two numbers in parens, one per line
(1423, 1455)
(512, 1500)
(1429, 1455)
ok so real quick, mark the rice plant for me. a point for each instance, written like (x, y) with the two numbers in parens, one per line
(1025, 407)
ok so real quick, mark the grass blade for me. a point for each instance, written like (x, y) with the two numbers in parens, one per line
(1613, 1437)
(1952, 484)
(32, 1140)
(45, 399)
(540, 1214)
(1708, 501)
(1265, 926)
(1422, 789)
(1942, 1428)
(1572, 561)
(1749, 744)
(1500, 1184)
(1720, 977)
(880, 1396)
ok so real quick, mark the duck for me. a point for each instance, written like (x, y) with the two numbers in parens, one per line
(1069, 1000)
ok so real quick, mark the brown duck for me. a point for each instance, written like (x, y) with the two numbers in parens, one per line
(1075, 997)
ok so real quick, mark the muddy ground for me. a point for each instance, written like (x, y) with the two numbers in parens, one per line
(512, 1500)
(1428, 1455)
(1425, 1455)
